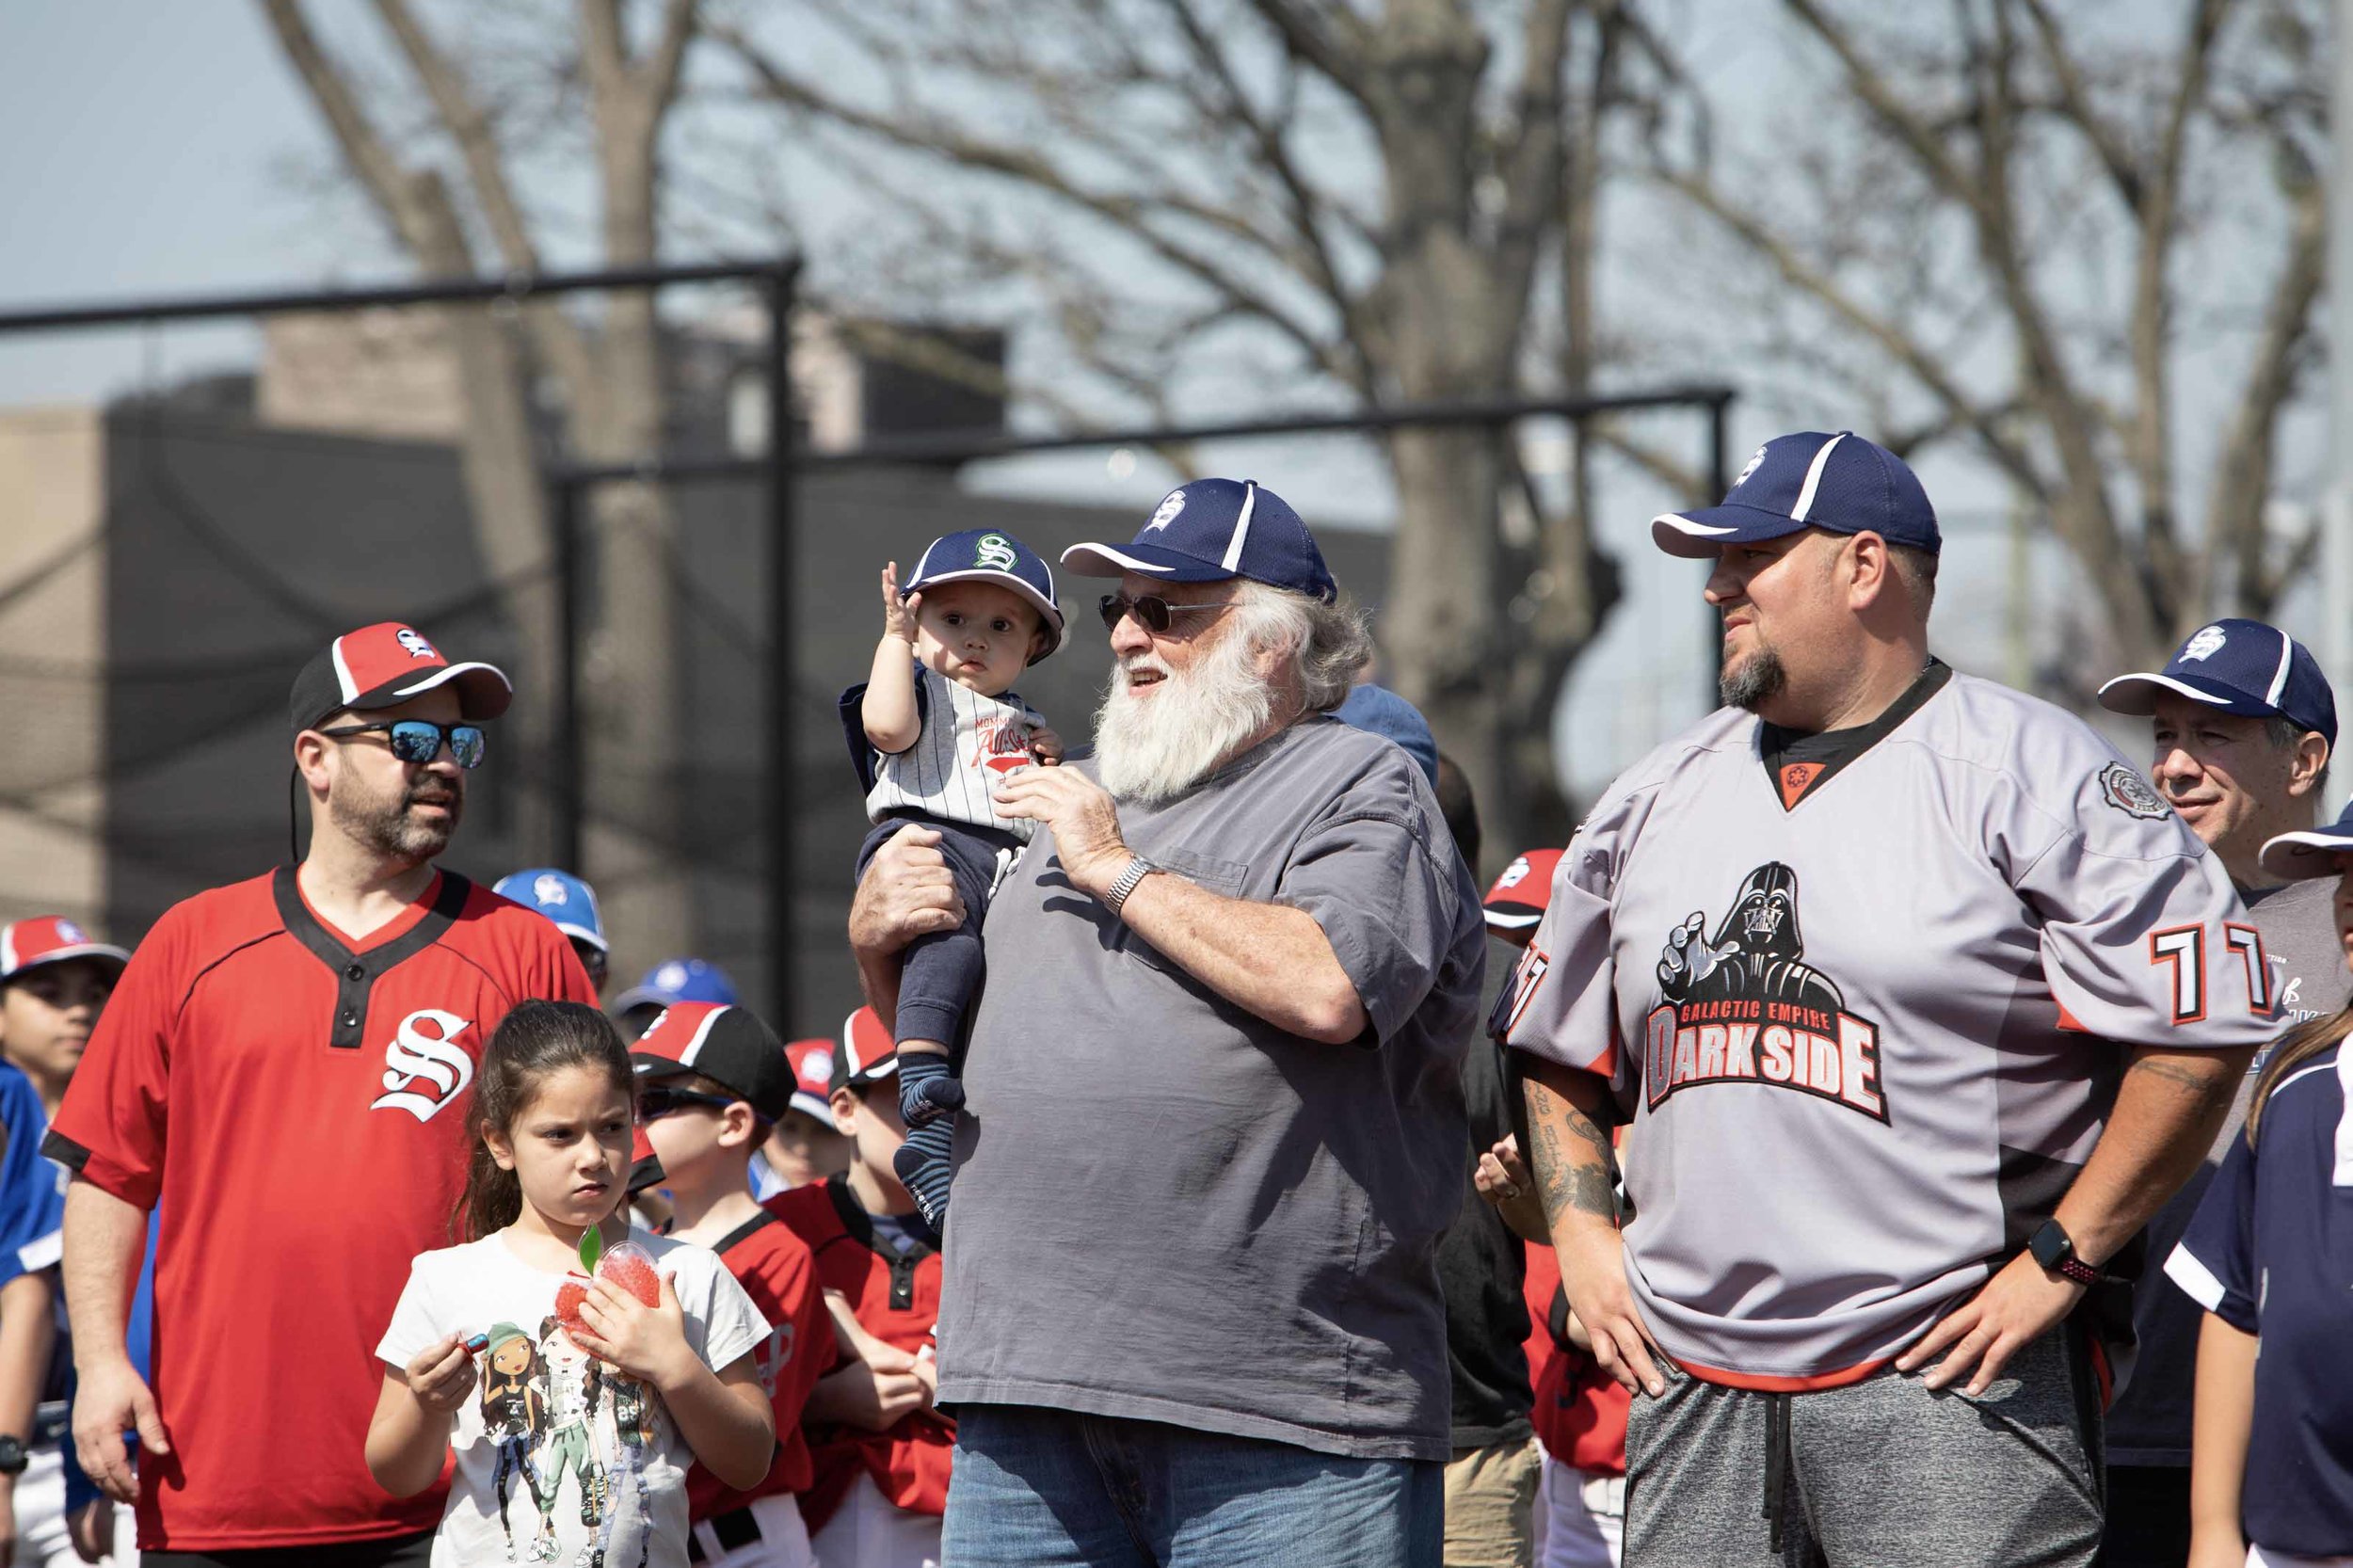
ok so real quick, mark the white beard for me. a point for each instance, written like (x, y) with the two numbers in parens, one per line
(1151, 749)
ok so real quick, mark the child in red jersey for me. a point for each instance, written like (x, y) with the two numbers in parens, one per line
(879, 1449)
(622, 1396)
(713, 1080)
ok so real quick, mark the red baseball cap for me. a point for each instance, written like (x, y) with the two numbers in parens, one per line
(728, 1045)
(812, 1077)
(1517, 900)
(51, 939)
(384, 665)
(867, 1051)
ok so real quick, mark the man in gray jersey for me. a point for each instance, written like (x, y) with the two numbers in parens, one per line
(2243, 724)
(1216, 1121)
(1983, 1002)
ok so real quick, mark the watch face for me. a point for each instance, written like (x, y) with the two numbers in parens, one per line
(2051, 1246)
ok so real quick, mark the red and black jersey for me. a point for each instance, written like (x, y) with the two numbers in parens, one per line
(776, 1270)
(295, 1099)
(895, 1297)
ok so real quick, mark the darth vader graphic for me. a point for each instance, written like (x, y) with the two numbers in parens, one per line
(1741, 1005)
(1756, 954)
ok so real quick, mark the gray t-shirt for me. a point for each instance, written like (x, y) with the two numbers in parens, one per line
(2150, 1421)
(1168, 1209)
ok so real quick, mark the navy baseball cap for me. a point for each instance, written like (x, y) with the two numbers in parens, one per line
(562, 897)
(1212, 530)
(2301, 857)
(1810, 480)
(991, 555)
(677, 980)
(2240, 666)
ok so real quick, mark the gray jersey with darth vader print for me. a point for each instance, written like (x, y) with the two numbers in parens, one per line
(1866, 1040)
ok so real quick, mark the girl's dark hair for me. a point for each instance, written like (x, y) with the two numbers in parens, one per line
(536, 1039)
(2297, 1046)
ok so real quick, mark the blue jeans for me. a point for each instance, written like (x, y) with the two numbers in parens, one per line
(1040, 1488)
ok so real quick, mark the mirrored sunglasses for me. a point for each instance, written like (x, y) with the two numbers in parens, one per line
(419, 741)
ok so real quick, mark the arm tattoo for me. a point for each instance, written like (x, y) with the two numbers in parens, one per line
(1572, 1157)
(2210, 1087)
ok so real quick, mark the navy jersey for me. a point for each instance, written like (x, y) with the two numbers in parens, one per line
(32, 1188)
(2270, 1251)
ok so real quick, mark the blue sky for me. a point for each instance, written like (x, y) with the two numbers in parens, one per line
(151, 151)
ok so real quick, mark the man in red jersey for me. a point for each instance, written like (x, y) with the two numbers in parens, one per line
(284, 1069)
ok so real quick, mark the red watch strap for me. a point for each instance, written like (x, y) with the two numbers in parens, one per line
(2078, 1271)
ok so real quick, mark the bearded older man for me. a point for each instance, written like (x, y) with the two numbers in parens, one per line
(1214, 1121)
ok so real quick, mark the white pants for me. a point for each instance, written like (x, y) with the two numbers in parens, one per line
(1581, 1517)
(783, 1539)
(42, 1538)
(869, 1531)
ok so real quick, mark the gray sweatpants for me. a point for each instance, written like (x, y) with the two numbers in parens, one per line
(1880, 1474)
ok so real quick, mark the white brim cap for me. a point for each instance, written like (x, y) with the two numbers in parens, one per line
(2303, 856)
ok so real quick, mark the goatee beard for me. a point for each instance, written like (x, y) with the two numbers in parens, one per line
(388, 829)
(1753, 681)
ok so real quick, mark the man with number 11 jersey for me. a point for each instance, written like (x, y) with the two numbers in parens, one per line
(1918, 999)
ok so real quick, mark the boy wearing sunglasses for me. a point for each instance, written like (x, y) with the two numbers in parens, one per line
(934, 729)
(713, 1079)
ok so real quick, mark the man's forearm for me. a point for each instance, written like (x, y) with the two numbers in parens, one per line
(2168, 1109)
(1268, 959)
(104, 1238)
(1568, 1125)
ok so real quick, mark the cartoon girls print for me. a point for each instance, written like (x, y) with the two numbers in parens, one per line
(552, 1408)
(575, 1381)
(514, 1414)
(633, 1409)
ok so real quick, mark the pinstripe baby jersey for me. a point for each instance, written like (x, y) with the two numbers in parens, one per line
(1867, 1025)
(965, 742)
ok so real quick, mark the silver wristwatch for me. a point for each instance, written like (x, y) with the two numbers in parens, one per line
(1137, 868)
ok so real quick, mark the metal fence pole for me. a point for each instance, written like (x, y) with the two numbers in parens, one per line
(783, 815)
(570, 779)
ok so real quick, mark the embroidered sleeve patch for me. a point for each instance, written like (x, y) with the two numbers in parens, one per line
(2132, 795)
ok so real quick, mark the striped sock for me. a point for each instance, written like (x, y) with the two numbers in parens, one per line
(922, 1167)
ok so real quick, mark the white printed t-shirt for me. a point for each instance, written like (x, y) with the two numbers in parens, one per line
(585, 1456)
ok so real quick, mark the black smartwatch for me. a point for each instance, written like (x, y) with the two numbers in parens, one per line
(11, 1456)
(2056, 1251)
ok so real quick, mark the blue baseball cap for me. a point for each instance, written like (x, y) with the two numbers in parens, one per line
(2302, 856)
(1809, 480)
(2240, 666)
(991, 555)
(1378, 710)
(562, 897)
(677, 980)
(1212, 530)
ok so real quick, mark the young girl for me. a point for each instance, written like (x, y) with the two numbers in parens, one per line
(600, 1422)
(2269, 1256)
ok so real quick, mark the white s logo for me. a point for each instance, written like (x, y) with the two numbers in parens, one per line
(424, 1072)
(995, 551)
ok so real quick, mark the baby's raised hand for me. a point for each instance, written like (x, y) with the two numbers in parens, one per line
(898, 613)
(1045, 745)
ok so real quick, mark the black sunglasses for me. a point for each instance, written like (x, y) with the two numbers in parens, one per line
(1153, 612)
(419, 741)
(654, 1104)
